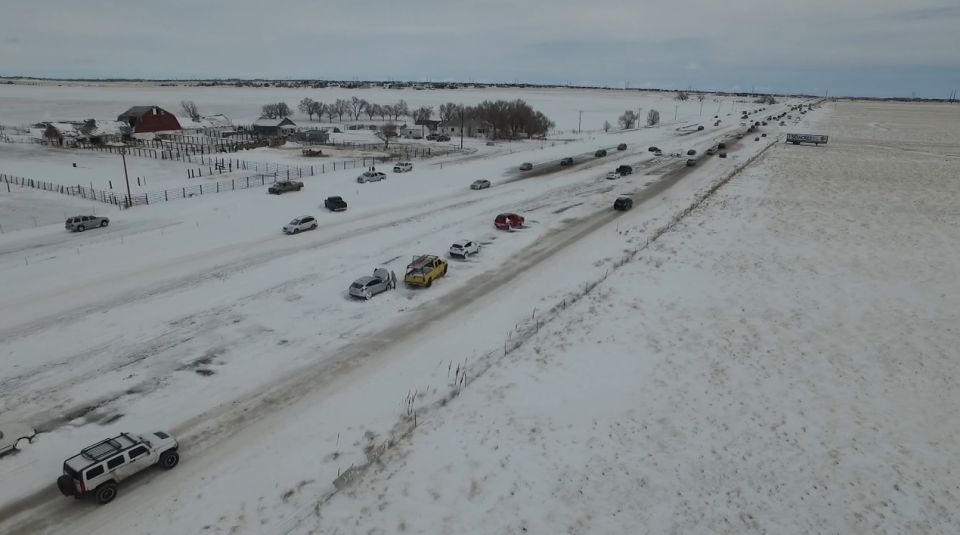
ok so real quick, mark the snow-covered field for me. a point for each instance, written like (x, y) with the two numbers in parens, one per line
(199, 317)
(25, 104)
(782, 361)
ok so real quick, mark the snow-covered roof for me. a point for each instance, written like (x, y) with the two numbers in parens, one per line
(211, 121)
(107, 127)
(266, 121)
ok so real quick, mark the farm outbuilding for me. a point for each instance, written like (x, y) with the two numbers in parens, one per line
(273, 127)
(90, 131)
(53, 136)
(471, 128)
(313, 136)
(149, 119)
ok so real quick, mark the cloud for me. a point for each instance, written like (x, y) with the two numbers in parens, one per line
(847, 45)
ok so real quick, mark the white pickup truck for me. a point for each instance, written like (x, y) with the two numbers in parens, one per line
(97, 470)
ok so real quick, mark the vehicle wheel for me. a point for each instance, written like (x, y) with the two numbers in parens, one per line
(80, 228)
(66, 486)
(169, 459)
(445, 267)
(314, 227)
(106, 493)
(104, 223)
(429, 283)
(296, 231)
(366, 297)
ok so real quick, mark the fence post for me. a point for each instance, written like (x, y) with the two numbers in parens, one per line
(184, 193)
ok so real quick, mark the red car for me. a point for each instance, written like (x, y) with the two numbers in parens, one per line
(508, 221)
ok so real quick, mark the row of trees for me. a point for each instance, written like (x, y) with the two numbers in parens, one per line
(684, 96)
(509, 119)
(629, 119)
(353, 108)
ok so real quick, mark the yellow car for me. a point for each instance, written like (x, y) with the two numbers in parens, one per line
(424, 270)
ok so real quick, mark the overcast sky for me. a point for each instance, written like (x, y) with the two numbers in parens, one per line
(862, 47)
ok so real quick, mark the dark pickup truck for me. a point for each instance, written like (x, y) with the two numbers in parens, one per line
(285, 186)
(335, 204)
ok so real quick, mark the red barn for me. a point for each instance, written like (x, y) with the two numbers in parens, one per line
(144, 119)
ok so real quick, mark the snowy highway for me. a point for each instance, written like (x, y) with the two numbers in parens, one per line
(205, 321)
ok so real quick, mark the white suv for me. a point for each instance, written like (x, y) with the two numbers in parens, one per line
(307, 222)
(403, 167)
(464, 248)
(97, 470)
(371, 176)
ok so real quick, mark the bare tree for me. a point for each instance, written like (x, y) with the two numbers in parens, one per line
(384, 111)
(307, 106)
(423, 113)
(682, 96)
(270, 111)
(331, 111)
(628, 119)
(511, 119)
(701, 97)
(371, 110)
(653, 117)
(607, 126)
(190, 109)
(357, 106)
(342, 106)
(387, 132)
(318, 108)
(400, 109)
(449, 111)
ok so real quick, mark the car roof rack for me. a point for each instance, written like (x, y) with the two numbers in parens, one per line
(101, 450)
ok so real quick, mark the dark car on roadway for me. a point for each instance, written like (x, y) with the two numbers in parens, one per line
(335, 204)
(623, 204)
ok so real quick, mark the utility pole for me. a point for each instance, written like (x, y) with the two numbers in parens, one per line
(718, 107)
(123, 154)
(676, 110)
(701, 107)
(580, 122)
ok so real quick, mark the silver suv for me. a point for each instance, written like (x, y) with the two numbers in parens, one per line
(80, 223)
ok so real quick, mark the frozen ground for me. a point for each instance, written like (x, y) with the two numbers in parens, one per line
(198, 317)
(783, 361)
(100, 170)
(24, 208)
